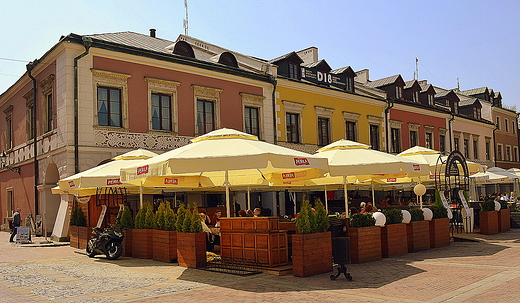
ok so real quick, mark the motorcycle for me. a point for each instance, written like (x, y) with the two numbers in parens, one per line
(106, 241)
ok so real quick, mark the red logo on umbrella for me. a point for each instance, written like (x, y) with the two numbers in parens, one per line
(142, 170)
(114, 181)
(71, 183)
(301, 161)
(391, 180)
(416, 167)
(173, 181)
(288, 176)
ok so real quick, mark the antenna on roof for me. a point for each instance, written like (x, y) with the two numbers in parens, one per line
(416, 74)
(458, 84)
(186, 20)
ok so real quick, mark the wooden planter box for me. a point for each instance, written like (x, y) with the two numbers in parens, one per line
(73, 235)
(268, 247)
(489, 222)
(191, 249)
(365, 244)
(142, 243)
(504, 220)
(79, 236)
(418, 235)
(393, 240)
(439, 232)
(127, 243)
(164, 245)
(312, 254)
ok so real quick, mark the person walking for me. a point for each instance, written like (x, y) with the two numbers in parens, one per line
(16, 223)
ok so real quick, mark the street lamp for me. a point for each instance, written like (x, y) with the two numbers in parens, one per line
(4, 165)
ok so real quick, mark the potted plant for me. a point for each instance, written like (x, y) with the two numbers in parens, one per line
(439, 226)
(164, 234)
(504, 217)
(488, 218)
(78, 230)
(393, 234)
(312, 245)
(191, 241)
(418, 231)
(124, 219)
(142, 235)
(365, 238)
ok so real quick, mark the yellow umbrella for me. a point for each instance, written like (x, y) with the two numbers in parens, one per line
(353, 159)
(228, 155)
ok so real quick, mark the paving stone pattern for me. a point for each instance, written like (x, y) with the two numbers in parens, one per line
(483, 271)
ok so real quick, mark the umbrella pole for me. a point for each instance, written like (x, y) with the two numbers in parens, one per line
(141, 194)
(326, 200)
(228, 205)
(248, 197)
(345, 193)
(373, 197)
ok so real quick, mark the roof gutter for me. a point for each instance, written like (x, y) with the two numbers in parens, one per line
(30, 66)
(495, 145)
(449, 129)
(273, 81)
(87, 42)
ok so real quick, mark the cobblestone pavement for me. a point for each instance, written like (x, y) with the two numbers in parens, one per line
(467, 271)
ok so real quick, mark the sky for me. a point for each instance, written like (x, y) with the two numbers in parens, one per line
(468, 43)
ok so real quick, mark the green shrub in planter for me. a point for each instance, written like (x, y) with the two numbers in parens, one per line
(438, 201)
(196, 222)
(503, 204)
(488, 205)
(417, 214)
(362, 220)
(145, 217)
(124, 218)
(393, 216)
(322, 220)
(303, 221)
(77, 217)
(439, 211)
(165, 217)
(182, 212)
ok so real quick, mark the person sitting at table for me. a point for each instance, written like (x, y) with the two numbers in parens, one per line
(250, 213)
(257, 212)
(242, 213)
(353, 210)
(205, 217)
(362, 206)
(368, 209)
(212, 236)
(216, 217)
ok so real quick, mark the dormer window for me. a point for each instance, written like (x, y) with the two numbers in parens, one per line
(228, 59)
(476, 113)
(350, 84)
(294, 70)
(182, 48)
(430, 99)
(398, 92)
(455, 107)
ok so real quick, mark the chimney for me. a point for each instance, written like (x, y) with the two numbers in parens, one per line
(152, 32)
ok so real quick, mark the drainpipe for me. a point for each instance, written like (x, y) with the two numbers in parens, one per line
(449, 129)
(273, 81)
(390, 104)
(30, 66)
(87, 42)
(495, 145)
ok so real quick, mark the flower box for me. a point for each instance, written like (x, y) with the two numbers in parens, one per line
(489, 222)
(439, 232)
(127, 243)
(164, 245)
(418, 235)
(393, 240)
(311, 254)
(191, 249)
(142, 243)
(365, 244)
(504, 220)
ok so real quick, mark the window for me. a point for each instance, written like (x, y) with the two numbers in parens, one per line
(29, 130)
(9, 127)
(476, 113)
(506, 124)
(415, 96)
(350, 84)
(205, 116)
(351, 130)
(396, 140)
(429, 140)
(49, 121)
(109, 106)
(488, 150)
(499, 152)
(374, 136)
(430, 99)
(456, 143)
(498, 123)
(475, 148)
(508, 153)
(10, 202)
(398, 92)
(514, 126)
(466, 148)
(413, 138)
(455, 107)
(323, 131)
(161, 112)
(252, 126)
(515, 154)
(293, 128)
(442, 143)
(293, 70)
